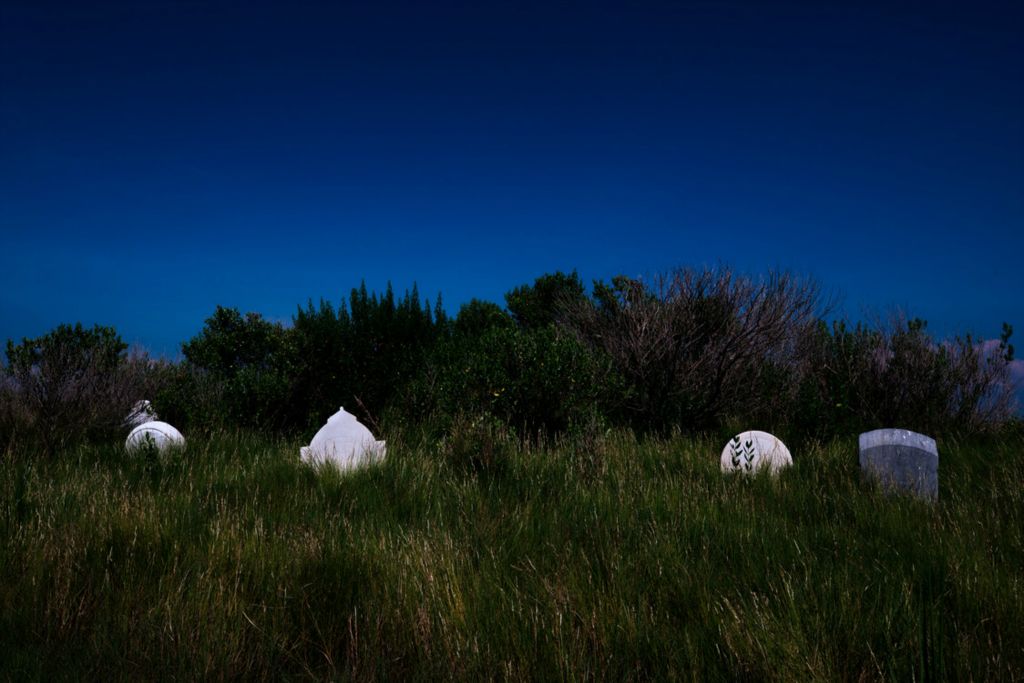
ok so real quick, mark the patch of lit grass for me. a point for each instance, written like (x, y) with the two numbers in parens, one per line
(610, 558)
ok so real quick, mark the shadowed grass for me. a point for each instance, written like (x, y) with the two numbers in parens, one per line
(614, 559)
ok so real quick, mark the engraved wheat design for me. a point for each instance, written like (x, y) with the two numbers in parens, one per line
(743, 453)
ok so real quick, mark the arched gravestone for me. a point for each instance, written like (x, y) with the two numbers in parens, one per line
(344, 442)
(147, 431)
(750, 451)
(901, 460)
(155, 434)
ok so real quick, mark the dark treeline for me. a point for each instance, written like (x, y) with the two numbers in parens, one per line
(691, 350)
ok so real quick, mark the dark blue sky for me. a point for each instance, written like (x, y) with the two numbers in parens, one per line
(160, 158)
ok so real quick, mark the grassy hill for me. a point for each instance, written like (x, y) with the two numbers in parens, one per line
(601, 557)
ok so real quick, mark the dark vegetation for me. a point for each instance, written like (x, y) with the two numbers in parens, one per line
(479, 557)
(550, 507)
(693, 351)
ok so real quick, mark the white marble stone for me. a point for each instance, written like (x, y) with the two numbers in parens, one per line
(157, 434)
(343, 442)
(750, 451)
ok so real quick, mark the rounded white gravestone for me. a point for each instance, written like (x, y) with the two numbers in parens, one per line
(159, 435)
(344, 442)
(750, 451)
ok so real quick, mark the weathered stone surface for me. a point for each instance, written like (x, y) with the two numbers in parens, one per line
(750, 451)
(142, 412)
(901, 460)
(343, 442)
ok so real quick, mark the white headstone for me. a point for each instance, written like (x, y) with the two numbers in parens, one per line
(159, 435)
(344, 442)
(750, 451)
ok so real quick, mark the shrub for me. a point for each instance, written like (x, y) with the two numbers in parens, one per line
(542, 303)
(263, 375)
(250, 357)
(71, 384)
(534, 380)
(478, 444)
(897, 375)
(362, 355)
(190, 398)
(476, 317)
(695, 347)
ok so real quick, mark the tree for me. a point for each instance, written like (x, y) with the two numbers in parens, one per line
(477, 316)
(230, 343)
(542, 303)
(72, 382)
(251, 358)
(362, 354)
(696, 346)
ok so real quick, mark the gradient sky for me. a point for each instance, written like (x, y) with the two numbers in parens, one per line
(160, 158)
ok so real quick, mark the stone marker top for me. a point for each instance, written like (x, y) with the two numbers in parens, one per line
(898, 437)
(345, 441)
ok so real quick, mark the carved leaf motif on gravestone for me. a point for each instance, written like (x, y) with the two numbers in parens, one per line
(743, 453)
(753, 450)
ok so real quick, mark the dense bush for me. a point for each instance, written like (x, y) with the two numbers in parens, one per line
(535, 380)
(897, 374)
(69, 384)
(692, 350)
(251, 372)
(476, 317)
(543, 303)
(361, 356)
(697, 347)
(190, 398)
(249, 357)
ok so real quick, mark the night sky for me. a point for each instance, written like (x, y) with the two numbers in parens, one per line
(160, 158)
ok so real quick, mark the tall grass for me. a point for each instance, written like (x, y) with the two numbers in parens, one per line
(606, 558)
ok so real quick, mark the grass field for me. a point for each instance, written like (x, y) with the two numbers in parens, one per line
(614, 560)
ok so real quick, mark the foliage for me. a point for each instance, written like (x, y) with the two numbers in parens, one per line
(233, 561)
(476, 317)
(689, 350)
(230, 343)
(536, 380)
(190, 398)
(362, 355)
(74, 346)
(542, 303)
(69, 384)
(250, 356)
(697, 347)
(359, 355)
(1006, 349)
(898, 375)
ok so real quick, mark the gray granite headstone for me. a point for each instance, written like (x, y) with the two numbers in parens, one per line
(901, 460)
